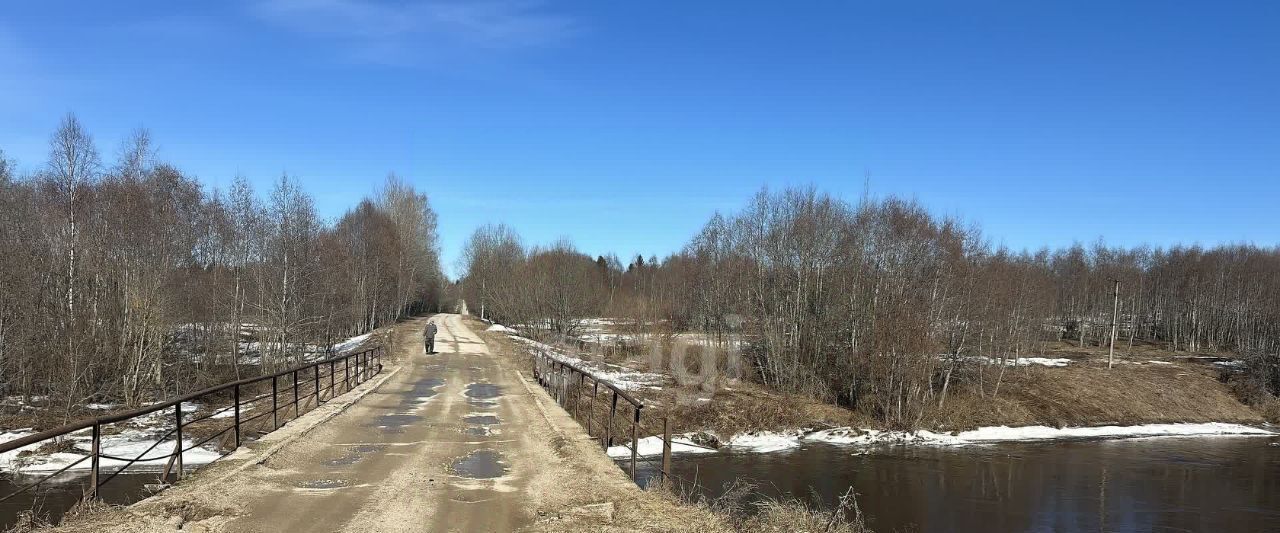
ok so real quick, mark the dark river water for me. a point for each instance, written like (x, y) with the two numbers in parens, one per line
(52, 499)
(1213, 484)
(1210, 484)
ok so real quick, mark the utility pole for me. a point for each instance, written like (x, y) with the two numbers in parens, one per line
(1115, 313)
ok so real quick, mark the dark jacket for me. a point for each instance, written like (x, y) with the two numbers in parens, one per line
(431, 330)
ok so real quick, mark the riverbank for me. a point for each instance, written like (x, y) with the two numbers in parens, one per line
(1067, 394)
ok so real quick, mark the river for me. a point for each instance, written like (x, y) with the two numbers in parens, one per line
(1217, 484)
(1220, 484)
(53, 499)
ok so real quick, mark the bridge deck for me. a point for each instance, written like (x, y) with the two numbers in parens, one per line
(454, 441)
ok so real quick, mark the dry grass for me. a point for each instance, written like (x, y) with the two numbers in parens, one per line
(794, 516)
(1140, 351)
(1270, 409)
(746, 407)
(1086, 393)
(780, 515)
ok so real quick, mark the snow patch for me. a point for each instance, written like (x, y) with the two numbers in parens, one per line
(652, 446)
(621, 377)
(1030, 433)
(350, 344)
(1027, 361)
(845, 436)
(765, 441)
(138, 435)
(500, 329)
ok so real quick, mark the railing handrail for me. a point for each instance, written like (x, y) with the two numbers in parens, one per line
(120, 417)
(607, 383)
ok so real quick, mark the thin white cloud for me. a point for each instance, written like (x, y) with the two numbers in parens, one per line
(386, 30)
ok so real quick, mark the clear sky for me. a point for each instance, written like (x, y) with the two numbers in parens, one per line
(625, 125)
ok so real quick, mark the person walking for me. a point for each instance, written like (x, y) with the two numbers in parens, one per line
(430, 337)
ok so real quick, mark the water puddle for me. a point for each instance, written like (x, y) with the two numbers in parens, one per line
(483, 391)
(324, 484)
(477, 431)
(482, 420)
(481, 403)
(345, 460)
(425, 387)
(355, 455)
(397, 420)
(480, 464)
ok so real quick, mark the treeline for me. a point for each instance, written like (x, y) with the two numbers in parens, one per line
(881, 306)
(128, 281)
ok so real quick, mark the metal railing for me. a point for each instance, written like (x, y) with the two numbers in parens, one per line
(304, 389)
(568, 384)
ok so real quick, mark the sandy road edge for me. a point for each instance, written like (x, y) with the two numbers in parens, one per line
(539, 399)
(301, 427)
(166, 510)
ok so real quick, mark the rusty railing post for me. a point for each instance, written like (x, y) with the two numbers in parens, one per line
(591, 405)
(608, 426)
(333, 369)
(346, 373)
(95, 450)
(635, 448)
(275, 420)
(177, 445)
(236, 396)
(561, 388)
(315, 371)
(296, 412)
(666, 449)
(582, 384)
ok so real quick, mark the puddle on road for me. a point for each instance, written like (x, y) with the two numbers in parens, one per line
(477, 431)
(482, 420)
(355, 455)
(483, 391)
(480, 464)
(395, 420)
(481, 403)
(324, 484)
(345, 460)
(420, 393)
(426, 386)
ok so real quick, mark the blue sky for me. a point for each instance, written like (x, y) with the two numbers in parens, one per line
(625, 125)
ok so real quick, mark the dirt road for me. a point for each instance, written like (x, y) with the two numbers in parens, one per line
(459, 440)
(451, 443)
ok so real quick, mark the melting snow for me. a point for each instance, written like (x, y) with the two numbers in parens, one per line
(137, 436)
(1026, 361)
(774, 441)
(652, 446)
(621, 377)
(350, 344)
(765, 441)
